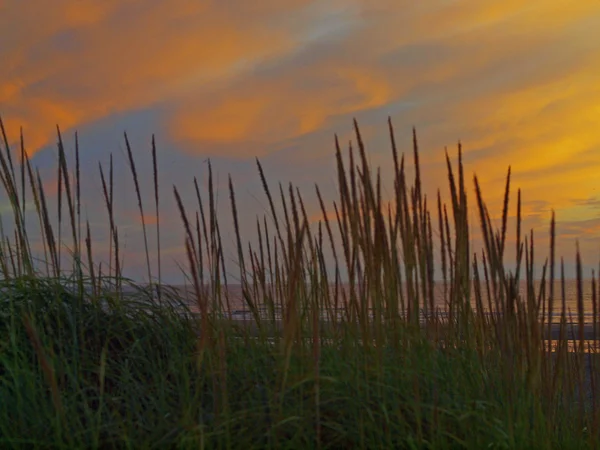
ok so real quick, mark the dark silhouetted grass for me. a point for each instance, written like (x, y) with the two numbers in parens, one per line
(89, 359)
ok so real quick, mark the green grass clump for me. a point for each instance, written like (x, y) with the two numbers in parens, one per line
(89, 359)
(79, 375)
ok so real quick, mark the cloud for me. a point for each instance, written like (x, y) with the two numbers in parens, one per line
(91, 61)
(515, 82)
(275, 109)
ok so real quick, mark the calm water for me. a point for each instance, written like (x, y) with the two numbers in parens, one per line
(240, 309)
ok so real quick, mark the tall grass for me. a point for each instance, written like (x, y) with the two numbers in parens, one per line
(370, 361)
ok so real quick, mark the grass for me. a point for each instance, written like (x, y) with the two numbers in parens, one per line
(89, 359)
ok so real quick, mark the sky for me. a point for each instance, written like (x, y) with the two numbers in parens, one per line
(231, 80)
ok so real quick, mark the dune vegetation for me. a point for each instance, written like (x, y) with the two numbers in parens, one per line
(90, 359)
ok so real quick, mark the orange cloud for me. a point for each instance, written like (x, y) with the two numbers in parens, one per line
(76, 63)
(515, 81)
(149, 219)
(273, 110)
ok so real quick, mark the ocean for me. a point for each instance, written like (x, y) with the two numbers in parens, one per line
(233, 294)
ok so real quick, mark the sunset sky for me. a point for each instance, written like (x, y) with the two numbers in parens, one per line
(518, 83)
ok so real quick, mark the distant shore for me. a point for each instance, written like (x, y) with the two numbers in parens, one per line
(571, 329)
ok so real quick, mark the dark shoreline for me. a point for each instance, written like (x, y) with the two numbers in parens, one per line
(571, 330)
